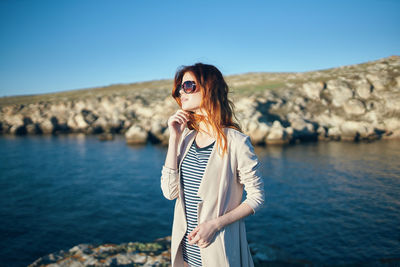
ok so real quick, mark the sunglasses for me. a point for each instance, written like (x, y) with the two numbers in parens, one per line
(188, 87)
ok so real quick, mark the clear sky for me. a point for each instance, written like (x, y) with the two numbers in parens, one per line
(50, 46)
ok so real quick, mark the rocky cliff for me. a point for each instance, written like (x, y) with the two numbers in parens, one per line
(355, 102)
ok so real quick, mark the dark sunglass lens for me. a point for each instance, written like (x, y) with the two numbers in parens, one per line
(189, 87)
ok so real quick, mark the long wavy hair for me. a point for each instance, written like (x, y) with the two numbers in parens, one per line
(215, 102)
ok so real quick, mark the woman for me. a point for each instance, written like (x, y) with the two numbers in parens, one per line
(208, 164)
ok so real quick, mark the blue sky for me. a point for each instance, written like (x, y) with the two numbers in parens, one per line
(51, 46)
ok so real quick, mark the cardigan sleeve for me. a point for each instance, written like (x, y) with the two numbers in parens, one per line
(170, 177)
(249, 175)
(169, 182)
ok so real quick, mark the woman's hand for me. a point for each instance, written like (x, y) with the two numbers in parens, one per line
(177, 122)
(203, 234)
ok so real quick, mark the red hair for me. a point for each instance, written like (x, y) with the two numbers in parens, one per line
(215, 102)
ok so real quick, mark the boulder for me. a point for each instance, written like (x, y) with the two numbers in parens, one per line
(397, 79)
(378, 80)
(395, 134)
(136, 135)
(277, 135)
(46, 126)
(392, 101)
(354, 131)
(340, 91)
(14, 119)
(392, 124)
(354, 107)
(363, 88)
(313, 89)
(258, 132)
(33, 129)
(302, 130)
(334, 133)
(80, 122)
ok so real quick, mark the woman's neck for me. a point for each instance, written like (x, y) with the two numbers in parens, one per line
(205, 133)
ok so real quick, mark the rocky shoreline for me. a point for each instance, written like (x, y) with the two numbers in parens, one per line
(158, 254)
(155, 254)
(350, 103)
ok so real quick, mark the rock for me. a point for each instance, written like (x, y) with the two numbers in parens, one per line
(334, 133)
(354, 131)
(392, 124)
(313, 89)
(397, 79)
(258, 133)
(136, 135)
(277, 135)
(145, 112)
(302, 130)
(354, 107)
(80, 122)
(392, 102)
(88, 116)
(392, 135)
(102, 125)
(340, 91)
(46, 126)
(14, 119)
(329, 120)
(322, 133)
(377, 80)
(374, 105)
(33, 129)
(363, 88)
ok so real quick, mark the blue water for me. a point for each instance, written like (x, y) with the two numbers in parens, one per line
(326, 203)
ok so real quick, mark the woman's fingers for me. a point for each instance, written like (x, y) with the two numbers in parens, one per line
(193, 236)
(183, 112)
(178, 119)
(177, 122)
(195, 230)
(195, 240)
(180, 116)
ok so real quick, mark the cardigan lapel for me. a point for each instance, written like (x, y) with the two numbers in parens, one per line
(187, 145)
(207, 184)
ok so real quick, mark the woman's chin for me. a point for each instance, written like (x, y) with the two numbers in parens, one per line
(185, 108)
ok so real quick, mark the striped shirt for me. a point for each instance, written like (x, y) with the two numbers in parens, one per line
(192, 171)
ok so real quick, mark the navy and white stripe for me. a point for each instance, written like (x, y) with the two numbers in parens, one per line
(192, 171)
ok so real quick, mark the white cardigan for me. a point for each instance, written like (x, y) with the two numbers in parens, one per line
(221, 190)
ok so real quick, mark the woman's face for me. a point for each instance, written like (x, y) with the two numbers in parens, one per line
(191, 102)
